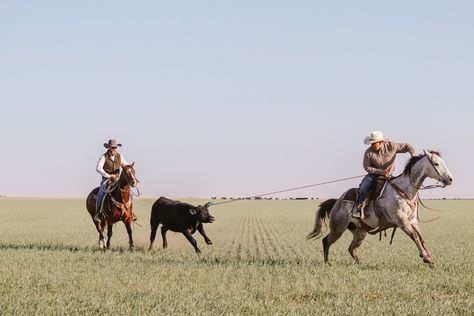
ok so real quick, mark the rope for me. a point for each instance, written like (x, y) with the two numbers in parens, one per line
(429, 208)
(109, 187)
(292, 189)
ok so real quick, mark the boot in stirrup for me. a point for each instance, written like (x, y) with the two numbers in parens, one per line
(98, 217)
(359, 212)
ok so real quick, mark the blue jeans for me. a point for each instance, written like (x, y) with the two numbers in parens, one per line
(367, 183)
(100, 196)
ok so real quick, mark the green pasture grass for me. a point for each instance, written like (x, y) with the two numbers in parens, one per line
(260, 263)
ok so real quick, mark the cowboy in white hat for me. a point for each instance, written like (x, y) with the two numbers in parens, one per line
(379, 160)
(109, 167)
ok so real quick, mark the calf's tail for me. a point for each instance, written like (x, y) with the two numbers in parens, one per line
(321, 215)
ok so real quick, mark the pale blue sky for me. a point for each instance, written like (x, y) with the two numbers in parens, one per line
(230, 98)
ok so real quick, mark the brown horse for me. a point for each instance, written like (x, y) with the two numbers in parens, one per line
(117, 205)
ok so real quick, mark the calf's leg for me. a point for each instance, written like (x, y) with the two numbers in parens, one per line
(193, 241)
(163, 235)
(200, 229)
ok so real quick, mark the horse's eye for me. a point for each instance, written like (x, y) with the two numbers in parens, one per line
(436, 164)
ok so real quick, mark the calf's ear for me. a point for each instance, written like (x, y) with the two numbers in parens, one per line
(192, 211)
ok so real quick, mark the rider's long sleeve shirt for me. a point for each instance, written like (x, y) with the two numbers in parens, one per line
(377, 161)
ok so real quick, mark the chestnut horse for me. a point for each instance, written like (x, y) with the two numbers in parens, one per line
(117, 205)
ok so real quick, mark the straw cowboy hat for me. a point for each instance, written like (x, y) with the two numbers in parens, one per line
(112, 143)
(374, 137)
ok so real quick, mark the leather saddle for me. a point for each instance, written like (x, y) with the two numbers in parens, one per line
(353, 193)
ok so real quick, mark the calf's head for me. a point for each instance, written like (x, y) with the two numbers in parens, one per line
(202, 213)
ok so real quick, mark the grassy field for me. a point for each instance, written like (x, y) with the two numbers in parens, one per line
(260, 263)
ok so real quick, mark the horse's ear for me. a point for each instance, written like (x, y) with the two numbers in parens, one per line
(427, 153)
(133, 164)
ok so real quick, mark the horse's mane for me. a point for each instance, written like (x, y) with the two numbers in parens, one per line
(413, 160)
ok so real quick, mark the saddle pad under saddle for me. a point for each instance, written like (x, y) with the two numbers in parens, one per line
(351, 195)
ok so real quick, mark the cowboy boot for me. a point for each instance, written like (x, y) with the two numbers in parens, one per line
(359, 212)
(98, 216)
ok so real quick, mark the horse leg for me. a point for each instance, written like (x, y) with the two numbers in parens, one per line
(331, 238)
(100, 228)
(163, 235)
(200, 229)
(359, 235)
(109, 234)
(411, 232)
(154, 228)
(338, 223)
(417, 231)
(129, 231)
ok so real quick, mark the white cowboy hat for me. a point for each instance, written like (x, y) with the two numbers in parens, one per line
(112, 143)
(374, 137)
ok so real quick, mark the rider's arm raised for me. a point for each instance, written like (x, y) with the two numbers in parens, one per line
(405, 148)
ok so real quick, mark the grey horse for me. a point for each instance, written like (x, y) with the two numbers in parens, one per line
(396, 206)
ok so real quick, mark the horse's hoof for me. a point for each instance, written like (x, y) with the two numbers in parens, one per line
(429, 261)
(208, 242)
(101, 244)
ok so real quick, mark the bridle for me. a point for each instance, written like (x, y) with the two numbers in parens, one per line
(134, 178)
(428, 187)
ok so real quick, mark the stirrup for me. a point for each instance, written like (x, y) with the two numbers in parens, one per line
(359, 211)
(98, 218)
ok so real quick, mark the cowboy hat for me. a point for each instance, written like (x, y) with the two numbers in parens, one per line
(374, 137)
(112, 143)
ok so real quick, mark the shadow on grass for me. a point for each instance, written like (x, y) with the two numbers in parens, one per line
(64, 247)
(160, 256)
(155, 256)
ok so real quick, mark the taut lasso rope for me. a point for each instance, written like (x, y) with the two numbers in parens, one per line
(288, 190)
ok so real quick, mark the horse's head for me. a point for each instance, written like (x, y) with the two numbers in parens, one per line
(431, 165)
(438, 169)
(128, 175)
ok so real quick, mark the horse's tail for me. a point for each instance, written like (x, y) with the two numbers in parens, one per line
(321, 215)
